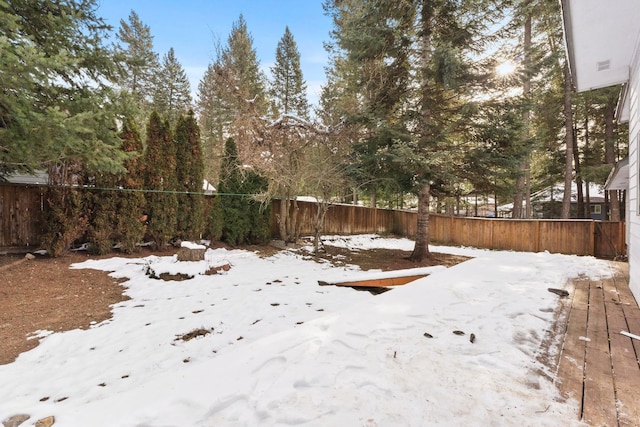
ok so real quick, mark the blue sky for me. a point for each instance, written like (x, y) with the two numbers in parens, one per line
(191, 27)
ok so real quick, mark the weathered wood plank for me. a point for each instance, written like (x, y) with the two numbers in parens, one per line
(610, 289)
(581, 293)
(626, 373)
(599, 394)
(571, 362)
(632, 315)
(376, 283)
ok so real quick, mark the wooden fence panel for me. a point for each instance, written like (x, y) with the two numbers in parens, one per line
(20, 215)
(609, 239)
(567, 237)
(440, 229)
(512, 235)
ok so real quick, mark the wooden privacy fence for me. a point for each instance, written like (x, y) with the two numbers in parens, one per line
(574, 236)
(21, 226)
(579, 237)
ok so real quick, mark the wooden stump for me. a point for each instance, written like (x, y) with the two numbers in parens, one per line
(189, 254)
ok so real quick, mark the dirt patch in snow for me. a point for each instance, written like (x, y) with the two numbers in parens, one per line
(44, 294)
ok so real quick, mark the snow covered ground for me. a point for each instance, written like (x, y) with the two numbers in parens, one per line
(272, 348)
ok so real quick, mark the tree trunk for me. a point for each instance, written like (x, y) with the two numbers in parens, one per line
(321, 212)
(427, 13)
(421, 248)
(519, 196)
(283, 219)
(580, 213)
(587, 200)
(294, 233)
(526, 92)
(523, 184)
(568, 126)
(610, 155)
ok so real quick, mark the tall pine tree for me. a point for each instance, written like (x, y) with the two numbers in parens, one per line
(369, 82)
(139, 63)
(231, 93)
(172, 93)
(288, 88)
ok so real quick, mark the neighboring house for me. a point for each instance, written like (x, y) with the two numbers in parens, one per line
(547, 203)
(602, 40)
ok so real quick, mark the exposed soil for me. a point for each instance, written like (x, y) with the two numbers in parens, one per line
(45, 294)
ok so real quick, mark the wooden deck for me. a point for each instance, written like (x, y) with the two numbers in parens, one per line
(598, 365)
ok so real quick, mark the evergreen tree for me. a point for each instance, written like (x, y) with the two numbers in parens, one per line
(232, 204)
(259, 214)
(407, 84)
(289, 144)
(129, 228)
(139, 63)
(102, 203)
(190, 176)
(241, 68)
(55, 98)
(369, 81)
(449, 31)
(172, 93)
(214, 117)
(492, 157)
(288, 88)
(230, 94)
(244, 220)
(160, 181)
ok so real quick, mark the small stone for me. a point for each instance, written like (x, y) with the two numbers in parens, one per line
(458, 332)
(472, 338)
(46, 422)
(428, 335)
(29, 257)
(15, 420)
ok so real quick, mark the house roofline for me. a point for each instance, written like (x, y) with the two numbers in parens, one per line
(568, 39)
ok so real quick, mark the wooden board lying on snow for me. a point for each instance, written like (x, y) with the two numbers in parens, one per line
(376, 283)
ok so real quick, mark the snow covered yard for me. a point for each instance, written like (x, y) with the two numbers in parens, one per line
(263, 344)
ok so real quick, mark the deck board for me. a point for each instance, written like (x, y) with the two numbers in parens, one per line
(571, 362)
(609, 390)
(624, 366)
(599, 408)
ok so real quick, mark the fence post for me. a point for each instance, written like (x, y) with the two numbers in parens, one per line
(375, 221)
(622, 238)
(592, 231)
(537, 243)
(352, 226)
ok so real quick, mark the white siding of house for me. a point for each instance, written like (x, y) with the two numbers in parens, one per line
(633, 220)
